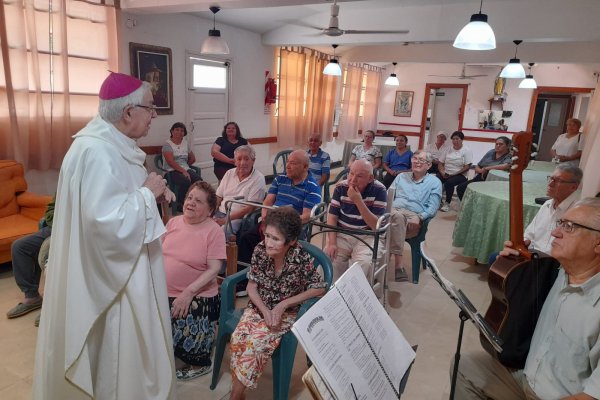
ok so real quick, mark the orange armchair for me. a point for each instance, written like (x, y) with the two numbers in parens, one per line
(20, 211)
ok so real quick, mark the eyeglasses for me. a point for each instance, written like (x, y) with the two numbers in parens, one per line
(151, 109)
(552, 179)
(569, 226)
(419, 160)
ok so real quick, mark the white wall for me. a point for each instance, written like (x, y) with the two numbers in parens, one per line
(414, 76)
(184, 33)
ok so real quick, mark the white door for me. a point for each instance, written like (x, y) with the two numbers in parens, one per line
(207, 107)
(446, 112)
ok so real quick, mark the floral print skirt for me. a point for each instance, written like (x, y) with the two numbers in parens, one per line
(253, 344)
(193, 335)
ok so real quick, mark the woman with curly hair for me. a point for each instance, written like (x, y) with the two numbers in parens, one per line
(193, 250)
(223, 148)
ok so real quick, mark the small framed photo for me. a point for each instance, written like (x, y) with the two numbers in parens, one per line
(403, 104)
(153, 64)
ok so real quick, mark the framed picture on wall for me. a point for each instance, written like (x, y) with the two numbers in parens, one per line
(153, 64)
(403, 104)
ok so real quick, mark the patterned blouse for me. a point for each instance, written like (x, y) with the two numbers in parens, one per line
(370, 155)
(298, 275)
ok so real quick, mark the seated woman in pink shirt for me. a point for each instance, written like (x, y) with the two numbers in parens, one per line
(193, 250)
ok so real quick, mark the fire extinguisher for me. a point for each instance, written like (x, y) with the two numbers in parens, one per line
(270, 90)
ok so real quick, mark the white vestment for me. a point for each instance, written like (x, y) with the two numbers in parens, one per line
(105, 330)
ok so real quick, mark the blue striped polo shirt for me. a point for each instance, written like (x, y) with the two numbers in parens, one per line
(318, 164)
(306, 194)
(374, 196)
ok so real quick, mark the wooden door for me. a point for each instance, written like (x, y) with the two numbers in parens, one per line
(555, 114)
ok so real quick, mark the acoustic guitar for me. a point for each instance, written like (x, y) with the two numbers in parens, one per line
(519, 284)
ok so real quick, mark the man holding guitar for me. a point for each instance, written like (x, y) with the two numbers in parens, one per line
(565, 349)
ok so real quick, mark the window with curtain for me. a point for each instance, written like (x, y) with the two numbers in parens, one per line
(360, 99)
(306, 98)
(54, 55)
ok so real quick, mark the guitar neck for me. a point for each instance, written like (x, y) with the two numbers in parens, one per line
(522, 143)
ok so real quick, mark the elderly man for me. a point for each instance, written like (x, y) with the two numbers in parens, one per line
(105, 330)
(418, 196)
(242, 181)
(437, 150)
(356, 203)
(563, 359)
(562, 190)
(319, 160)
(297, 188)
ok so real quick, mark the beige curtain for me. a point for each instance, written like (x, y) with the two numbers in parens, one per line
(590, 161)
(351, 92)
(371, 103)
(48, 88)
(306, 97)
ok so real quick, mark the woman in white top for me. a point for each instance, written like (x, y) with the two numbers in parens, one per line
(569, 146)
(367, 151)
(454, 166)
(177, 159)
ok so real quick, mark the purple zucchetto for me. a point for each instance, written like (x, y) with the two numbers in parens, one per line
(118, 85)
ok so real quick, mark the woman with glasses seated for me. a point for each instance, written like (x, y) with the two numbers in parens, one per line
(193, 250)
(177, 159)
(497, 158)
(281, 277)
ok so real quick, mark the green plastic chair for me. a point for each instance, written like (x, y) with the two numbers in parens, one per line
(280, 159)
(283, 357)
(343, 174)
(415, 250)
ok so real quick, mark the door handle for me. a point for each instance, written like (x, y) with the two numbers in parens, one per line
(192, 126)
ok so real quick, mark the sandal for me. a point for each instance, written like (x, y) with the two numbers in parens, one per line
(188, 373)
(22, 309)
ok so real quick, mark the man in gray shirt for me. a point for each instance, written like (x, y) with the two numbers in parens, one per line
(565, 349)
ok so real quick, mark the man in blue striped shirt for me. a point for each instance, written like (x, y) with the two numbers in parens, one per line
(356, 203)
(319, 160)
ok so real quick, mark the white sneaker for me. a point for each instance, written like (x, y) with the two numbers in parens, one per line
(445, 208)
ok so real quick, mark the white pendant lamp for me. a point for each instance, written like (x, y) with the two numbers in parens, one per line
(514, 69)
(392, 80)
(528, 82)
(333, 68)
(214, 43)
(477, 34)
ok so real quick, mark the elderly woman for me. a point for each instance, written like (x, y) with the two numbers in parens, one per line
(193, 250)
(177, 159)
(223, 148)
(281, 277)
(569, 146)
(497, 158)
(245, 182)
(367, 151)
(437, 150)
(397, 160)
(454, 166)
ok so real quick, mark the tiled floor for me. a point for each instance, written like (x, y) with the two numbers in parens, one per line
(422, 312)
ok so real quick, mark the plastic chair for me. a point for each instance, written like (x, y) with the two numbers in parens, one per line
(343, 174)
(415, 250)
(283, 357)
(282, 158)
(158, 163)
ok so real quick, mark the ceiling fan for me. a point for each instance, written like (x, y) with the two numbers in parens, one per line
(334, 26)
(462, 75)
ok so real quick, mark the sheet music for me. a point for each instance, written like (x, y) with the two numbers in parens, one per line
(353, 342)
(463, 303)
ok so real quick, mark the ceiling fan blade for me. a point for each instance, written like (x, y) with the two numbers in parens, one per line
(475, 76)
(352, 31)
(304, 25)
(447, 76)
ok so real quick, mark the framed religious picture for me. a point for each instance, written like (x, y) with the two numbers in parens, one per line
(153, 64)
(403, 104)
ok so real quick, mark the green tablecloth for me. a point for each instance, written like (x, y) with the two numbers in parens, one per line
(528, 176)
(545, 166)
(482, 225)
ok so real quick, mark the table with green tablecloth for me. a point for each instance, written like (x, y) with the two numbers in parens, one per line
(529, 176)
(545, 166)
(482, 225)
(384, 144)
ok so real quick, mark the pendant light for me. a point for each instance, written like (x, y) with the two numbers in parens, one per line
(528, 82)
(477, 34)
(333, 68)
(392, 80)
(214, 43)
(514, 69)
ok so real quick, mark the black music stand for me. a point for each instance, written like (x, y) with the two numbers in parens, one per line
(467, 312)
